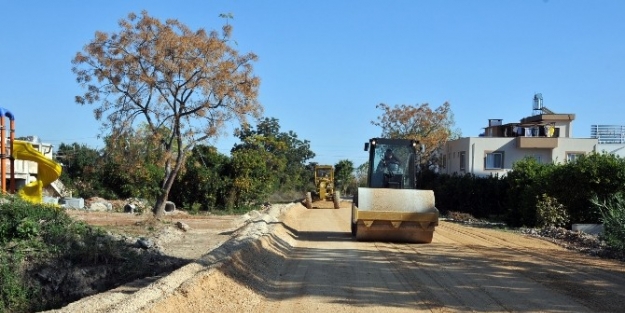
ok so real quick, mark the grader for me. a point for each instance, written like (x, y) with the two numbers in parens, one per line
(324, 187)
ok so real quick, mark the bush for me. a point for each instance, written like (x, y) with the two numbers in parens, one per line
(575, 183)
(551, 213)
(23, 227)
(612, 211)
(482, 197)
(41, 238)
(14, 293)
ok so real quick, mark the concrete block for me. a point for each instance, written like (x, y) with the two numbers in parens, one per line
(592, 229)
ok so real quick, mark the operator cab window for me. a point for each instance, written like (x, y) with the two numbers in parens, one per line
(392, 166)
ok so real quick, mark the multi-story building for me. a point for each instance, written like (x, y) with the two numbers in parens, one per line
(545, 136)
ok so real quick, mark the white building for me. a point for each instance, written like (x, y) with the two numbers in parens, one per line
(545, 136)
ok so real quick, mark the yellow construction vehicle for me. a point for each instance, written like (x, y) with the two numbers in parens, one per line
(324, 187)
(391, 208)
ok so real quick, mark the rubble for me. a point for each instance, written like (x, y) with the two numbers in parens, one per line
(575, 240)
(572, 240)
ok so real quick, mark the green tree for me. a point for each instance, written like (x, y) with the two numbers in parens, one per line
(205, 181)
(270, 156)
(286, 148)
(132, 164)
(80, 168)
(361, 173)
(169, 77)
(343, 174)
(254, 172)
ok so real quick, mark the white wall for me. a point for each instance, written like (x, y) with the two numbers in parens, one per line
(616, 149)
(573, 145)
(476, 148)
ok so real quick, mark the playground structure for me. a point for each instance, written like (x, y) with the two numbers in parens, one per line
(20, 153)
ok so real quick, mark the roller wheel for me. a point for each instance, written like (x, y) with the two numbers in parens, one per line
(308, 200)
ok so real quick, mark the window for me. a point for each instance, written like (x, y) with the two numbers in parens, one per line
(494, 160)
(444, 161)
(461, 155)
(572, 156)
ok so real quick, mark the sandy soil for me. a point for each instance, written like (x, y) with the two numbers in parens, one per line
(205, 232)
(290, 259)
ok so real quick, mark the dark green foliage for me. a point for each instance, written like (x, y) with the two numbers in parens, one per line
(532, 193)
(482, 197)
(267, 161)
(78, 160)
(121, 170)
(343, 175)
(119, 183)
(131, 165)
(612, 211)
(81, 169)
(205, 181)
(254, 175)
(527, 180)
(573, 184)
(267, 165)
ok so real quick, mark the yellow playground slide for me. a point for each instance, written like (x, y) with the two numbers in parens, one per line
(48, 171)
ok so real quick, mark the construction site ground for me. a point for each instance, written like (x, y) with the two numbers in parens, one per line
(290, 259)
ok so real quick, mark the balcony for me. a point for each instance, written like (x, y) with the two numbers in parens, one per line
(536, 142)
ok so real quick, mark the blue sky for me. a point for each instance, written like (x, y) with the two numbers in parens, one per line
(325, 64)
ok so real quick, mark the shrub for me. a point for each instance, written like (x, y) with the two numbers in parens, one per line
(612, 210)
(41, 238)
(550, 212)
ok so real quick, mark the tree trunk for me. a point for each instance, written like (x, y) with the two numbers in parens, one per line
(161, 200)
(159, 207)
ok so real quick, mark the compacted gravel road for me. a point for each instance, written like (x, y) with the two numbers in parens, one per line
(306, 261)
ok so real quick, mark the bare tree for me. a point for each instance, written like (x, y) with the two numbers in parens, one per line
(171, 78)
(433, 128)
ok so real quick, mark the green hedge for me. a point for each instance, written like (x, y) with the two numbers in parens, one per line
(533, 194)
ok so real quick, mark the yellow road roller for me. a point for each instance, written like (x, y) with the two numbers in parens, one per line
(390, 207)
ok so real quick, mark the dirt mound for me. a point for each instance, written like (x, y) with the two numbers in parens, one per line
(256, 239)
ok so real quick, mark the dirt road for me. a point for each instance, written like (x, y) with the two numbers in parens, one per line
(309, 263)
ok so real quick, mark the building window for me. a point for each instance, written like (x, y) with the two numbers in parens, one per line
(444, 161)
(494, 161)
(572, 156)
(461, 155)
